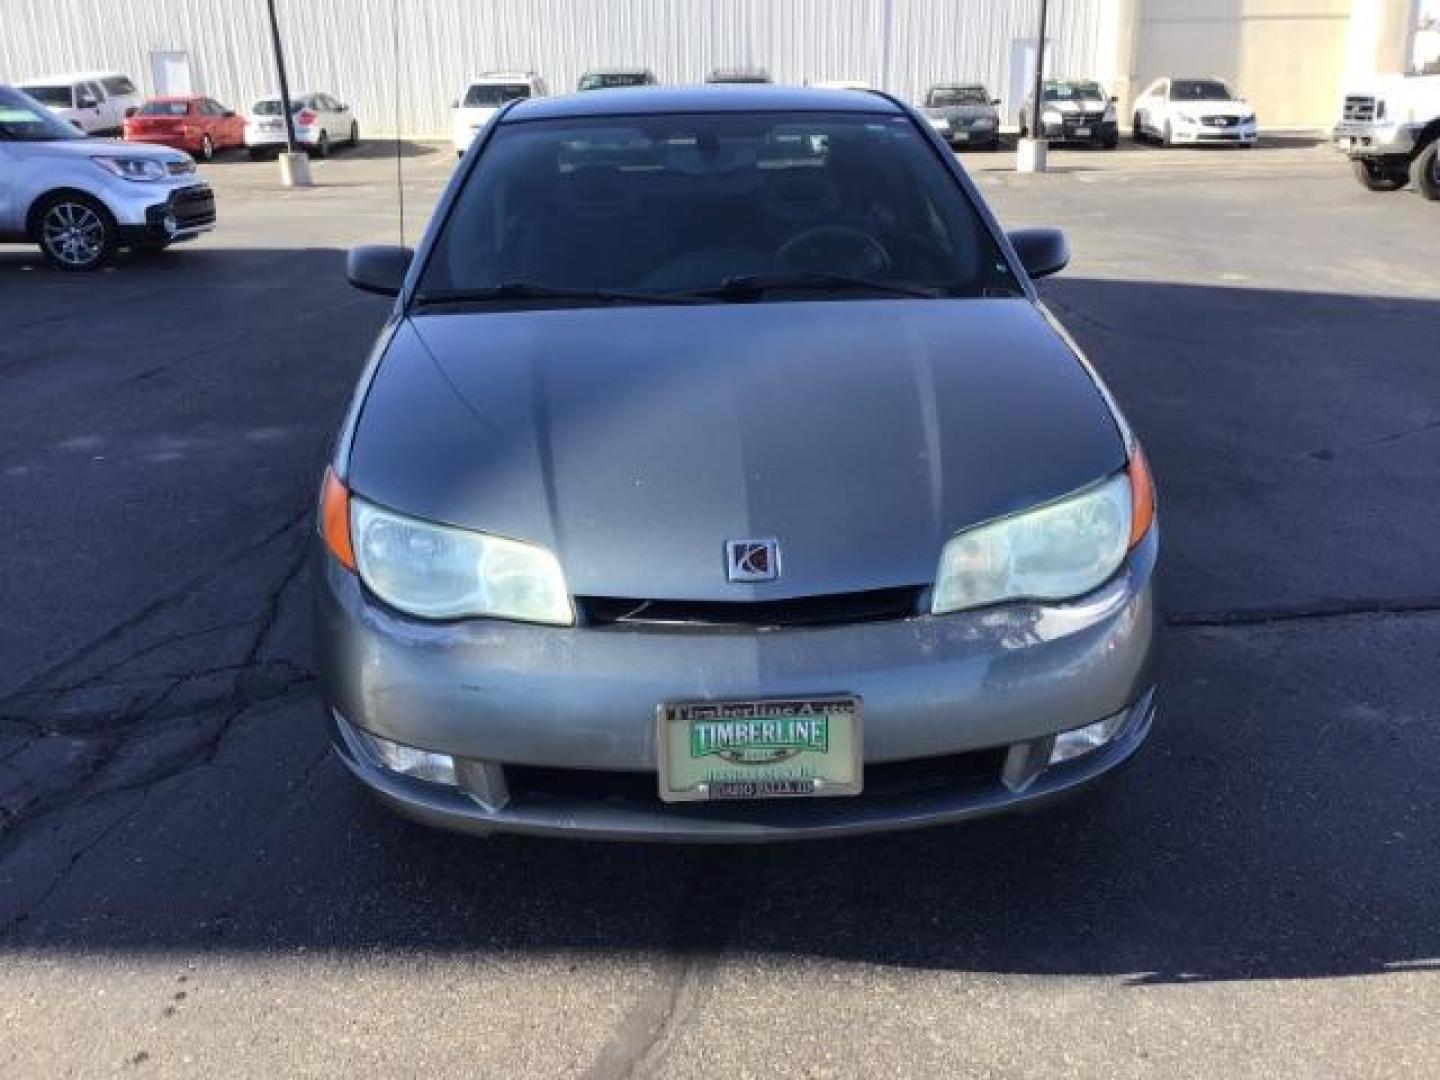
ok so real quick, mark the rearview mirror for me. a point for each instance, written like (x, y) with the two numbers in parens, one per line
(1041, 251)
(377, 268)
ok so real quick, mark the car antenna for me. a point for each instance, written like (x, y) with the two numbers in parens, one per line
(399, 149)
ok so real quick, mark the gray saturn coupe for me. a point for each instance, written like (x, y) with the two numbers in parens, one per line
(719, 476)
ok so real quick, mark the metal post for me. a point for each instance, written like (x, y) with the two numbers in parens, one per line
(284, 79)
(1037, 130)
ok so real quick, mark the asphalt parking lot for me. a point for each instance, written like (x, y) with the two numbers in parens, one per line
(190, 884)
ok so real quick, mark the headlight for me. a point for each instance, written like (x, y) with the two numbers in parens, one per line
(1186, 118)
(983, 122)
(439, 572)
(143, 169)
(1054, 552)
(1053, 116)
(939, 123)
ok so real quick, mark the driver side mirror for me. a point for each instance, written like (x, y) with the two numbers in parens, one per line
(377, 268)
(1042, 252)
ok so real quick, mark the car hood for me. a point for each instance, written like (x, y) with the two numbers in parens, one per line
(88, 148)
(636, 441)
(1214, 108)
(1070, 105)
(478, 117)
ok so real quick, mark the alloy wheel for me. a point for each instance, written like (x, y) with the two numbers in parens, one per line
(74, 234)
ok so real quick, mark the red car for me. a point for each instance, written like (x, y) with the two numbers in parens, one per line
(195, 124)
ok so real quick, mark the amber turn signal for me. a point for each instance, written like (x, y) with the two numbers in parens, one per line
(335, 519)
(1142, 495)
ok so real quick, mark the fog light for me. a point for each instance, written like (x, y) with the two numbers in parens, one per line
(1073, 744)
(408, 761)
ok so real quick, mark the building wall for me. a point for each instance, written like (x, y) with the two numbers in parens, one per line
(1287, 57)
(346, 46)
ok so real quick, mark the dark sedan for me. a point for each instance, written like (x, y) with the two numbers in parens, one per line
(719, 476)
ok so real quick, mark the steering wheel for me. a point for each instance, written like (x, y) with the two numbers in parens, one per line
(834, 249)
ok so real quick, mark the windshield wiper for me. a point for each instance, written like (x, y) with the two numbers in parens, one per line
(753, 286)
(521, 290)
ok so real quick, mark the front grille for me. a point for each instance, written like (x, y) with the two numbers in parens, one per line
(1359, 109)
(1083, 119)
(1218, 121)
(193, 207)
(836, 609)
(882, 780)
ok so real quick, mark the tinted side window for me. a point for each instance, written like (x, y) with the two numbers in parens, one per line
(118, 85)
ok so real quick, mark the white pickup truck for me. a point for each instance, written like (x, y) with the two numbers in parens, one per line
(1390, 128)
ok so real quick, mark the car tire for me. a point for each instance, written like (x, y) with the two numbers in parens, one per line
(75, 233)
(256, 154)
(207, 149)
(1167, 137)
(354, 139)
(1137, 131)
(321, 149)
(1110, 142)
(1375, 176)
(1425, 171)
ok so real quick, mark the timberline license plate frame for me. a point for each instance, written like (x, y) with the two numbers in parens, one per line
(777, 709)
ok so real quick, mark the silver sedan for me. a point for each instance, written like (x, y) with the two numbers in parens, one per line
(719, 477)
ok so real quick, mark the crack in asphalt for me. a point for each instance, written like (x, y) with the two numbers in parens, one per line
(1358, 608)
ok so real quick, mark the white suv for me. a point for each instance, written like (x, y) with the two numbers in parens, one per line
(95, 102)
(1192, 111)
(80, 199)
(482, 98)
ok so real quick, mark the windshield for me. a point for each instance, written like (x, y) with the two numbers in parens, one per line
(23, 119)
(1199, 90)
(608, 80)
(493, 95)
(166, 108)
(673, 203)
(54, 97)
(944, 96)
(1073, 91)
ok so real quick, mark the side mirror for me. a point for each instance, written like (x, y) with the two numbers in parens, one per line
(229, 114)
(131, 111)
(378, 268)
(1042, 251)
(1114, 100)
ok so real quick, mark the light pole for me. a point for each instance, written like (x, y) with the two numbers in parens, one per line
(1030, 153)
(294, 167)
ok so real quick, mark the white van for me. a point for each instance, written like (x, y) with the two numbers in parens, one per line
(96, 102)
(482, 98)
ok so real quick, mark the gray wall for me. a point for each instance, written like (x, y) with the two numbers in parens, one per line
(345, 46)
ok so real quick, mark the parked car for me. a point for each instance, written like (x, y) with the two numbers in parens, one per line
(1173, 111)
(95, 102)
(613, 78)
(739, 75)
(482, 98)
(1390, 129)
(200, 126)
(321, 121)
(670, 510)
(81, 199)
(964, 114)
(1073, 111)
(840, 84)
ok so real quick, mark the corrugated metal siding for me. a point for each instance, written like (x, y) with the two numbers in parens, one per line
(345, 46)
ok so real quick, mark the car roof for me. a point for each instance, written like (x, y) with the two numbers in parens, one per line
(617, 69)
(488, 77)
(957, 86)
(73, 76)
(767, 97)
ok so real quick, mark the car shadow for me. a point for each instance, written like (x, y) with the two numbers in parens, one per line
(1280, 824)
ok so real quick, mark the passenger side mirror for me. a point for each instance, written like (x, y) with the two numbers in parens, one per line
(377, 268)
(131, 111)
(1041, 251)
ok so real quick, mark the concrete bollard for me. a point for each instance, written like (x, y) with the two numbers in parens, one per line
(295, 170)
(1030, 155)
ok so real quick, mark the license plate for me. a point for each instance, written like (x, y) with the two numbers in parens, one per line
(271, 125)
(1082, 132)
(779, 748)
(962, 136)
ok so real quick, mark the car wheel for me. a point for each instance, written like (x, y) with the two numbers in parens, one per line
(1111, 142)
(1137, 132)
(1376, 176)
(354, 134)
(1167, 138)
(1425, 171)
(322, 146)
(256, 154)
(75, 233)
(207, 149)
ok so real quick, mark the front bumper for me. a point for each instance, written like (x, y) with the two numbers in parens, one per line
(184, 214)
(1097, 132)
(1203, 133)
(1362, 140)
(960, 710)
(962, 137)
